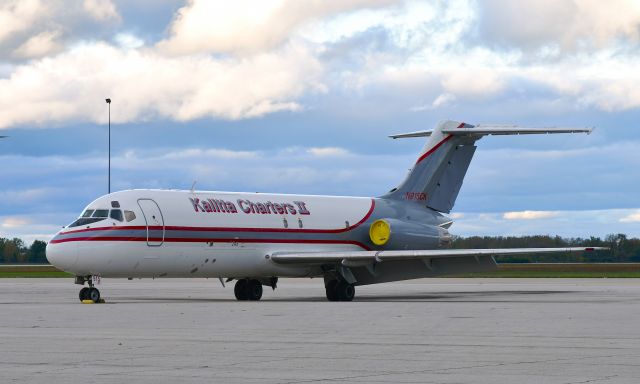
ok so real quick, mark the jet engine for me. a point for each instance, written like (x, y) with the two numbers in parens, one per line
(397, 234)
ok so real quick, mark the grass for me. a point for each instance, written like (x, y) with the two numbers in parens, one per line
(561, 270)
(47, 274)
(542, 270)
(551, 274)
(8, 270)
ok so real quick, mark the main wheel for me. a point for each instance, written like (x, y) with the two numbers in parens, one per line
(240, 290)
(254, 290)
(84, 294)
(345, 291)
(330, 289)
(93, 294)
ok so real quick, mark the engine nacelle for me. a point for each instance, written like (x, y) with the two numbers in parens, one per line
(397, 234)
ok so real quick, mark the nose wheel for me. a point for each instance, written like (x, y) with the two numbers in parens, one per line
(88, 293)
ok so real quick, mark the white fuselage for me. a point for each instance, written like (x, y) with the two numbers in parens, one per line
(208, 234)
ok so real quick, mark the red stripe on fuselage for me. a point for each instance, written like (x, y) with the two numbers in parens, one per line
(229, 229)
(205, 240)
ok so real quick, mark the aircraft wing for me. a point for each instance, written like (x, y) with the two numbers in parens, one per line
(380, 256)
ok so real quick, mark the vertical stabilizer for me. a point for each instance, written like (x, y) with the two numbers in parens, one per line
(437, 176)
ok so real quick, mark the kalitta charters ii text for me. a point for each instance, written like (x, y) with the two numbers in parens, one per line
(249, 207)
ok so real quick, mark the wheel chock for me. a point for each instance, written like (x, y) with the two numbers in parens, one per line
(101, 301)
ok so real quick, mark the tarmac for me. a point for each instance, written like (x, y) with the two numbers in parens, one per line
(423, 331)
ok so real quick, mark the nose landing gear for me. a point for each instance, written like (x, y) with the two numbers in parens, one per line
(88, 293)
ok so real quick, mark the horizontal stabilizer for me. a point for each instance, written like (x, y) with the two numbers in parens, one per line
(411, 134)
(380, 256)
(490, 129)
(485, 130)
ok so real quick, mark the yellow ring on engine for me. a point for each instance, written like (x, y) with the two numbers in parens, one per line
(379, 232)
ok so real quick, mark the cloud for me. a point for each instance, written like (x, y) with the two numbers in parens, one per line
(13, 222)
(631, 218)
(580, 223)
(569, 25)
(36, 28)
(214, 153)
(473, 82)
(35, 227)
(443, 99)
(219, 60)
(144, 85)
(328, 152)
(19, 15)
(101, 10)
(529, 215)
(39, 45)
(246, 26)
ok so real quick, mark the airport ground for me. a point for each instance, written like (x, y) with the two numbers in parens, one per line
(446, 330)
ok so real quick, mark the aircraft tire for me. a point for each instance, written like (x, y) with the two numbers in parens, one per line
(330, 289)
(345, 291)
(254, 290)
(93, 294)
(240, 289)
(84, 294)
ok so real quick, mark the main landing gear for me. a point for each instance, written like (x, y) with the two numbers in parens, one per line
(88, 293)
(248, 289)
(339, 290)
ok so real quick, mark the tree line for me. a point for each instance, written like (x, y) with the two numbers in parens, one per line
(621, 249)
(16, 251)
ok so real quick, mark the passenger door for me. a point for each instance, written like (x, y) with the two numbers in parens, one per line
(155, 222)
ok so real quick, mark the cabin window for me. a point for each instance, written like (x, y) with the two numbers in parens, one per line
(104, 213)
(129, 215)
(116, 214)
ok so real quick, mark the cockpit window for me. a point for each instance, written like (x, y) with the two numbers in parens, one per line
(85, 221)
(103, 213)
(129, 215)
(91, 216)
(116, 214)
(87, 213)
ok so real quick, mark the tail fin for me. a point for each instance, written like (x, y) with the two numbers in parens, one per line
(437, 176)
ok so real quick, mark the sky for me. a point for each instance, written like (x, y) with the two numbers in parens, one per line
(299, 97)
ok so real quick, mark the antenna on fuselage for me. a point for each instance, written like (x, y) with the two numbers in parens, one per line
(193, 186)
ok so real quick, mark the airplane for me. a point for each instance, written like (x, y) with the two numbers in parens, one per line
(255, 238)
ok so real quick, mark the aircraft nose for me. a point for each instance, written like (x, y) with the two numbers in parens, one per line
(62, 255)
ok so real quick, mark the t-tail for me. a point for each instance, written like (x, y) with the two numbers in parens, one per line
(437, 175)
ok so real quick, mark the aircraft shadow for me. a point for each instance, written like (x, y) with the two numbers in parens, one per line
(457, 296)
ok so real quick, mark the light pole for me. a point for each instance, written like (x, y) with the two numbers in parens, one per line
(109, 185)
